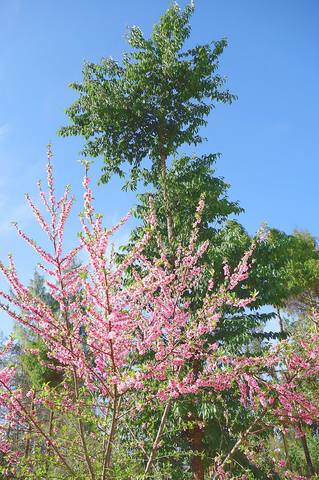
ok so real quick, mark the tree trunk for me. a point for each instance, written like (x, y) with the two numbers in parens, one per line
(310, 466)
(196, 437)
(168, 210)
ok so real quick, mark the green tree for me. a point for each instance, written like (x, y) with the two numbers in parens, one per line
(149, 105)
(303, 276)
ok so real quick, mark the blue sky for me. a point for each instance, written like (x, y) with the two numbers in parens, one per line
(268, 138)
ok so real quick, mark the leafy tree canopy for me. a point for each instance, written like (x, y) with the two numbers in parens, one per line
(152, 102)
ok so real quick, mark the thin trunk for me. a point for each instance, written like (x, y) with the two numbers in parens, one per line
(168, 210)
(310, 466)
(157, 440)
(109, 446)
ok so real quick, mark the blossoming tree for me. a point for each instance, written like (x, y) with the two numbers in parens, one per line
(123, 332)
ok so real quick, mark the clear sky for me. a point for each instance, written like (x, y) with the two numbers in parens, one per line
(268, 138)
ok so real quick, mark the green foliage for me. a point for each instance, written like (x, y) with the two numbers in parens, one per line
(288, 266)
(150, 104)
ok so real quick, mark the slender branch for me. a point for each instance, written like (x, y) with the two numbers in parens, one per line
(158, 437)
(305, 448)
(240, 440)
